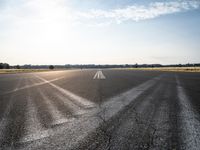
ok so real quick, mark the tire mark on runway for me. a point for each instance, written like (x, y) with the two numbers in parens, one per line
(34, 129)
(74, 109)
(189, 121)
(7, 105)
(143, 114)
(53, 97)
(174, 109)
(77, 130)
(113, 105)
(57, 116)
(161, 122)
(136, 124)
(52, 106)
(60, 102)
(75, 98)
(112, 109)
(15, 116)
(43, 113)
(155, 115)
(7, 100)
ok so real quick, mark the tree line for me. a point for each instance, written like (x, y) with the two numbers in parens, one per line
(7, 66)
(85, 66)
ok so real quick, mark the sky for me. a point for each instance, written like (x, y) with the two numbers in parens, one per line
(99, 31)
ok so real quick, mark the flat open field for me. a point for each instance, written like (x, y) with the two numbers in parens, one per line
(6, 71)
(100, 110)
(174, 69)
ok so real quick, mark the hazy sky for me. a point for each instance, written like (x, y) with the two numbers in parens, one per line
(99, 31)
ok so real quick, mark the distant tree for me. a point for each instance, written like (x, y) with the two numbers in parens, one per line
(1, 65)
(136, 65)
(4, 66)
(7, 66)
(17, 67)
(126, 66)
(51, 67)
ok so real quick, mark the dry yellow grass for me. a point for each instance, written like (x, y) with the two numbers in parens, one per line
(174, 69)
(4, 71)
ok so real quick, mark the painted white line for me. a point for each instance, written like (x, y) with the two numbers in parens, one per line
(118, 102)
(99, 75)
(102, 75)
(189, 119)
(76, 130)
(95, 75)
(75, 98)
(33, 85)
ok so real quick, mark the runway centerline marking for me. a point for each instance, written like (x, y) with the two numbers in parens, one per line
(99, 75)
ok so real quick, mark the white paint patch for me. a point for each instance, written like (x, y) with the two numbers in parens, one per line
(189, 119)
(75, 98)
(33, 85)
(99, 75)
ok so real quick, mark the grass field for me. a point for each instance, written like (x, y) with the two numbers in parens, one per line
(174, 69)
(4, 71)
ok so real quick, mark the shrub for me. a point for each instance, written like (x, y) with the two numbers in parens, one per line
(51, 67)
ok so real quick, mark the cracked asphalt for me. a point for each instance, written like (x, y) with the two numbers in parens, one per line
(117, 109)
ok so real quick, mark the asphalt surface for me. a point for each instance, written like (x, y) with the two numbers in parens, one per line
(100, 109)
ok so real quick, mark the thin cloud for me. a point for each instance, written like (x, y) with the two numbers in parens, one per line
(139, 12)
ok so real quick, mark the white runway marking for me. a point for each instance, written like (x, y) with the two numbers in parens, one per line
(76, 99)
(118, 102)
(77, 129)
(190, 124)
(32, 85)
(99, 75)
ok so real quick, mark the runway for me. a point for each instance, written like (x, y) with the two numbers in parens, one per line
(100, 109)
